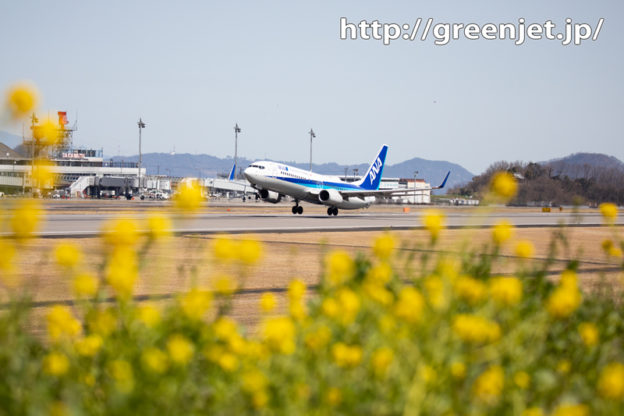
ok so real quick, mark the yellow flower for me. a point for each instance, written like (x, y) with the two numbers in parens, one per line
(384, 245)
(501, 232)
(25, 219)
(524, 249)
(249, 251)
(475, 329)
(89, 345)
(381, 360)
(47, 132)
(55, 364)
(154, 360)
(21, 100)
(571, 410)
(340, 267)
(349, 305)
(180, 349)
(330, 308)
(253, 381)
(120, 232)
(436, 292)
(469, 289)
(458, 370)
(563, 366)
(522, 379)
(563, 301)
(611, 382)
(434, 221)
(228, 361)
(589, 333)
(377, 292)
(85, 284)
(489, 385)
(42, 174)
(188, 198)
(61, 323)
(278, 334)
(267, 302)
(122, 271)
(318, 338)
(102, 322)
(121, 372)
(260, 399)
(506, 291)
(334, 396)
(225, 328)
(149, 315)
(609, 212)
(195, 303)
(159, 226)
(296, 290)
(346, 355)
(297, 310)
(379, 274)
(503, 186)
(224, 248)
(409, 305)
(225, 285)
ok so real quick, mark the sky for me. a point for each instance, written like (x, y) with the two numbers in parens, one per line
(192, 69)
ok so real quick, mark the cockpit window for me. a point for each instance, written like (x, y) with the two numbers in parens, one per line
(256, 166)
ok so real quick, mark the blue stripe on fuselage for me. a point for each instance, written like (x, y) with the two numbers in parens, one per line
(308, 183)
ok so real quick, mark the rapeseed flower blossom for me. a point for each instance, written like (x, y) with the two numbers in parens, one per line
(149, 315)
(381, 360)
(589, 333)
(346, 355)
(121, 372)
(154, 360)
(55, 364)
(120, 232)
(188, 198)
(67, 255)
(25, 219)
(524, 249)
(278, 334)
(62, 323)
(475, 329)
(489, 385)
(249, 251)
(611, 381)
(434, 222)
(340, 267)
(384, 246)
(21, 99)
(469, 289)
(180, 349)
(267, 302)
(502, 232)
(409, 305)
(506, 291)
(195, 303)
(89, 345)
(159, 226)
(609, 212)
(571, 410)
(503, 186)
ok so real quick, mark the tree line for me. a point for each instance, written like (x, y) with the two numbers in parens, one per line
(553, 184)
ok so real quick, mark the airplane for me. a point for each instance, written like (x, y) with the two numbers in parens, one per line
(274, 180)
(232, 173)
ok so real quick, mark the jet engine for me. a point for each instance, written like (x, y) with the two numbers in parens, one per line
(270, 196)
(330, 197)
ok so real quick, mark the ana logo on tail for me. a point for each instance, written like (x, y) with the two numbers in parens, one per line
(374, 170)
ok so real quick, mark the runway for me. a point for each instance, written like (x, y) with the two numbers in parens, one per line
(57, 225)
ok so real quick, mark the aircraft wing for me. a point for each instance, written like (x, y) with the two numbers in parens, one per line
(391, 192)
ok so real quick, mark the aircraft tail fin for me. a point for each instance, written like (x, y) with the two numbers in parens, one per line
(372, 179)
(232, 172)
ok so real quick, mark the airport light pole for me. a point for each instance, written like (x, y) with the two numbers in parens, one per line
(312, 135)
(141, 125)
(236, 131)
(415, 174)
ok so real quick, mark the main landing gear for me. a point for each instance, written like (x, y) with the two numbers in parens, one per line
(297, 209)
(332, 211)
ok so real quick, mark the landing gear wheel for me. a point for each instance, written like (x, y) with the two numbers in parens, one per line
(299, 210)
(335, 211)
(294, 209)
(330, 211)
